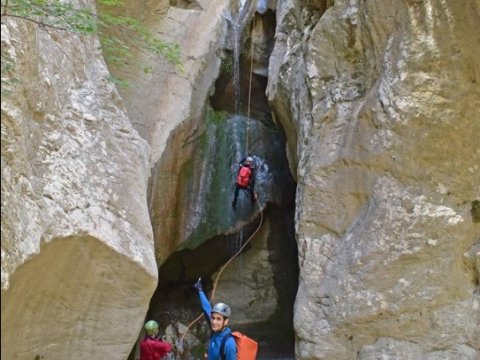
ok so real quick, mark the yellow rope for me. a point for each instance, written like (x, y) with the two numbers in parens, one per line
(250, 83)
(212, 296)
(238, 252)
(189, 326)
(248, 117)
(259, 206)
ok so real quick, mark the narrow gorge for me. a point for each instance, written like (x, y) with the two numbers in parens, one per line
(363, 119)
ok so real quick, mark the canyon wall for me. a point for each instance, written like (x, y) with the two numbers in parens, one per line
(78, 267)
(380, 103)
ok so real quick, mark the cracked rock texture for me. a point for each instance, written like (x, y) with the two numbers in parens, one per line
(379, 100)
(379, 103)
(78, 267)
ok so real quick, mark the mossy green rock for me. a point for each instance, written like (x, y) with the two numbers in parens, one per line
(202, 168)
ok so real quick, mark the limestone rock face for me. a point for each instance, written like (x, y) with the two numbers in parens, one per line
(78, 267)
(168, 106)
(379, 100)
(194, 157)
(169, 96)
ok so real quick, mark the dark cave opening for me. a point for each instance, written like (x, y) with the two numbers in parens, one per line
(253, 77)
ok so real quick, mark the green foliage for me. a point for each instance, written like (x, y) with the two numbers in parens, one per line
(51, 14)
(119, 82)
(147, 69)
(120, 36)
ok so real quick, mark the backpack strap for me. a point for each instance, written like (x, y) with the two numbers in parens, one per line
(222, 346)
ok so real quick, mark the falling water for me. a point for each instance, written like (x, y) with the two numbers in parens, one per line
(236, 65)
(238, 24)
(239, 238)
(238, 134)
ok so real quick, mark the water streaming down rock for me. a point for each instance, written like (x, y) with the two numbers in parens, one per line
(238, 134)
(236, 59)
(238, 23)
(237, 245)
(236, 65)
(208, 175)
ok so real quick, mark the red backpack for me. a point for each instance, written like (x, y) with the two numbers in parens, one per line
(246, 347)
(243, 177)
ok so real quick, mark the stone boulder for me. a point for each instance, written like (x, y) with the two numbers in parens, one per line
(379, 101)
(78, 267)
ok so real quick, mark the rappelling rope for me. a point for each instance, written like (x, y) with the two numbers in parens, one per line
(250, 83)
(246, 148)
(215, 283)
(238, 252)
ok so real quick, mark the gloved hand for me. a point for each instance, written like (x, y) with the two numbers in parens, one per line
(161, 337)
(198, 285)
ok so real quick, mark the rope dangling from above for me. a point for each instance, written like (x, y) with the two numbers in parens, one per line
(215, 283)
(250, 82)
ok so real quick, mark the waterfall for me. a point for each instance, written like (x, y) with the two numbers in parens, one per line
(238, 133)
(237, 34)
(238, 23)
(239, 239)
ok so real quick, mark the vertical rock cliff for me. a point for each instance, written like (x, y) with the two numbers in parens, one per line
(371, 106)
(379, 100)
(78, 267)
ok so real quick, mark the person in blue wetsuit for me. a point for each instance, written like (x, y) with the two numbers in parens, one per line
(218, 317)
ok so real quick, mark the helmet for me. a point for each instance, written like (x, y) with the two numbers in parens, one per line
(222, 309)
(249, 159)
(151, 327)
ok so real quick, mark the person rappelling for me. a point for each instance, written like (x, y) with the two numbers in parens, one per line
(245, 180)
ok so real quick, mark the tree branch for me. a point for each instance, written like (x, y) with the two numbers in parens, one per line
(39, 23)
